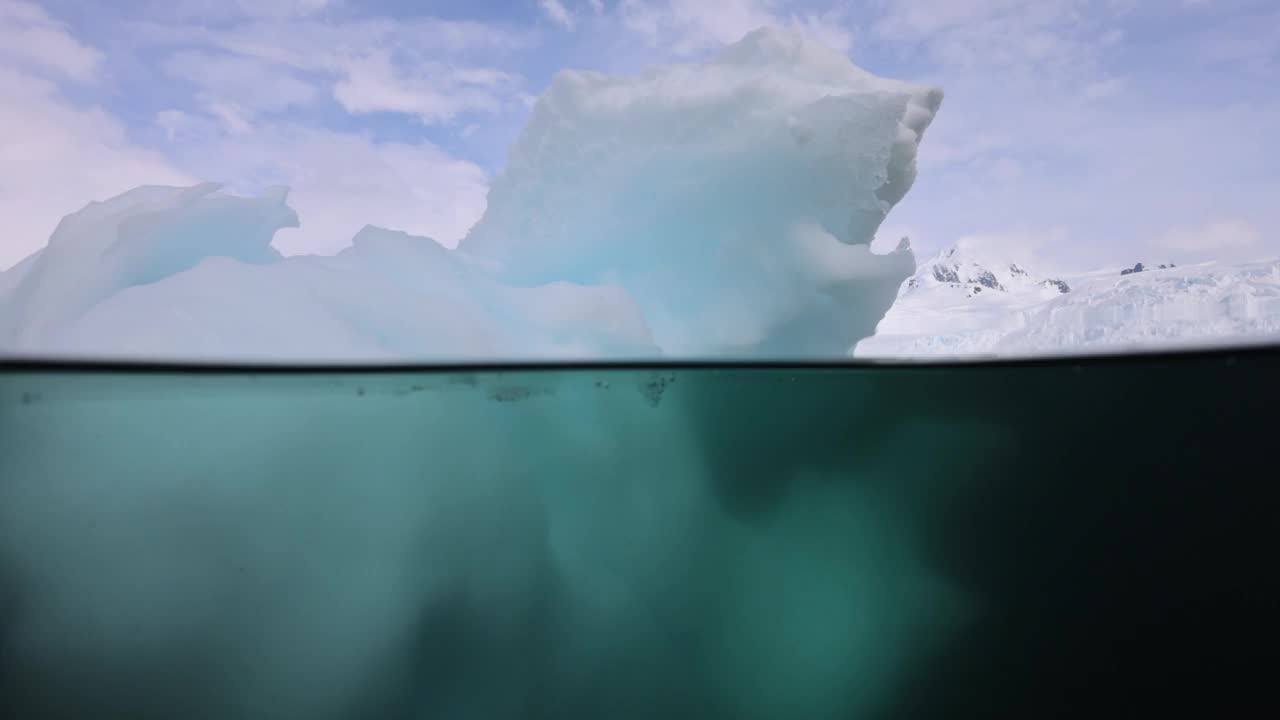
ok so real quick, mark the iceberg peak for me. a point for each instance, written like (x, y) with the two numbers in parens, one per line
(686, 185)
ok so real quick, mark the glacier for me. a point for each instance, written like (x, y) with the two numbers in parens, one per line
(716, 209)
(970, 302)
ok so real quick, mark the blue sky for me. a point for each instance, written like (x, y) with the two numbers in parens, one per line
(1074, 133)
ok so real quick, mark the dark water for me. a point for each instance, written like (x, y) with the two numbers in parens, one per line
(1076, 538)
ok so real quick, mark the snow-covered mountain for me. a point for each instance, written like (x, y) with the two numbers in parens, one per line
(966, 303)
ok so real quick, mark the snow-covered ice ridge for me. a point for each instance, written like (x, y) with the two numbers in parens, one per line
(965, 303)
(724, 208)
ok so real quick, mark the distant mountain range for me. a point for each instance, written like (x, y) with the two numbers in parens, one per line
(966, 303)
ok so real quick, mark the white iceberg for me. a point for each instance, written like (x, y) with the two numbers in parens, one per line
(715, 209)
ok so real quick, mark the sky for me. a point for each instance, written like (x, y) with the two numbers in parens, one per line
(1075, 133)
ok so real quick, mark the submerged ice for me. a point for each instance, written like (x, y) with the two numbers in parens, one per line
(717, 209)
(440, 546)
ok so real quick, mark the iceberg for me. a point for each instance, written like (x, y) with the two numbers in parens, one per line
(718, 209)
(136, 239)
(388, 296)
(735, 201)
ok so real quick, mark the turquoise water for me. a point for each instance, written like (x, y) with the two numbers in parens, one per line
(663, 541)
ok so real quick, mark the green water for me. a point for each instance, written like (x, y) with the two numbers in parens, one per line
(1022, 540)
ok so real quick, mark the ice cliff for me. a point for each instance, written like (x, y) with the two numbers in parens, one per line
(717, 209)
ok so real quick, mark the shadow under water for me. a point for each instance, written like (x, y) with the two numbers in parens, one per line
(1038, 539)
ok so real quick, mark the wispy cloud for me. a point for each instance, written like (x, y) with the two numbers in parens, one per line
(1224, 239)
(1094, 118)
(205, 10)
(340, 181)
(324, 44)
(688, 26)
(236, 88)
(64, 157)
(422, 67)
(1042, 35)
(557, 13)
(431, 91)
(30, 37)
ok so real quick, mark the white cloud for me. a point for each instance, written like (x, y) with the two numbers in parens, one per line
(30, 38)
(1113, 173)
(962, 142)
(1251, 42)
(687, 26)
(176, 122)
(285, 8)
(830, 28)
(1103, 89)
(237, 88)
(557, 12)
(55, 158)
(340, 181)
(213, 10)
(1225, 239)
(434, 92)
(912, 19)
(1111, 149)
(1023, 245)
(1027, 245)
(423, 67)
(1046, 34)
(320, 45)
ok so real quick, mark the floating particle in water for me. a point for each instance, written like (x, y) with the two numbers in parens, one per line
(511, 393)
(653, 387)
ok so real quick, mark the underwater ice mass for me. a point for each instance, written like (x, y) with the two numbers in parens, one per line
(719, 209)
